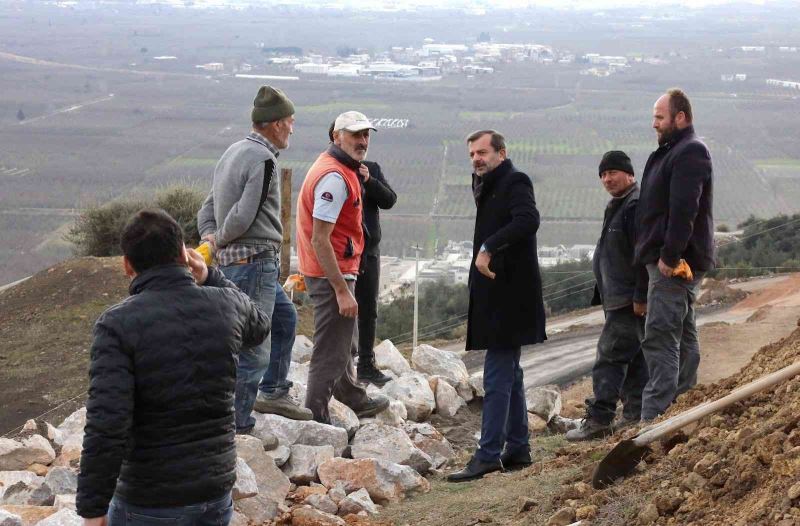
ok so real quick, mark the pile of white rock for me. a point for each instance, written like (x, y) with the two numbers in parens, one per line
(317, 474)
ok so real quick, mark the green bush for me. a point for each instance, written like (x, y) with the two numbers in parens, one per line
(97, 230)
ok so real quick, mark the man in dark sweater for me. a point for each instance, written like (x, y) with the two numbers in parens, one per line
(159, 435)
(377, 195)
(674, 222)
(619, 371)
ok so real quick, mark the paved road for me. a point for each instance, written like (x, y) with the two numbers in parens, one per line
(568, 355)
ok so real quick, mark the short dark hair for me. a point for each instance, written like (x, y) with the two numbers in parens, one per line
(498, 142)
(330, 131)
(679, 102)
(151, 237)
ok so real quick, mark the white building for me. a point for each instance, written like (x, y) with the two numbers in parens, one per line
(312, 68)
(345, 70)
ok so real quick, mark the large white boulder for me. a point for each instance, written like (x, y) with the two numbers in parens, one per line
(342, 416)
(69, 435)
(298, 372)
(476, 382)
(302, 348)
(427, 438)
(357, 502)
(394, 415)
(544, 401)
(384, 481)
(448, 402)
(62, 480)
(432, 361)
(301, 468)
(414, 391)
(390, 444)
(245, 485)
(9, 478)
(305, 432)
(9, 519)
(18, 455)
(388, 357)
(63, 517)
(273, 485)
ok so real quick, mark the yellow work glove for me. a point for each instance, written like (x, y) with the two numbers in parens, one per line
(295, 282)
(205, 250)
(683, 270)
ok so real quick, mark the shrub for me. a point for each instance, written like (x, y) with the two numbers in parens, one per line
(97, 230)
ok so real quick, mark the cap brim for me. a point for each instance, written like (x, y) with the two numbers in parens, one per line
(358, 127)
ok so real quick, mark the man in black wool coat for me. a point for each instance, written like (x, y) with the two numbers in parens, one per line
(506, 310)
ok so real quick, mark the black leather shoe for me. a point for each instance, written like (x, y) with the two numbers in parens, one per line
(372, 406)
(515, 461)
(475, 469)
(372, 374)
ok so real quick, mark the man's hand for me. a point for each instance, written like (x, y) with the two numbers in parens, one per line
(482, 264)
(639, 309)
(96, 521)
(665, 269)
(212, 240)
(348, 306)
(364, 171)
(197, 266)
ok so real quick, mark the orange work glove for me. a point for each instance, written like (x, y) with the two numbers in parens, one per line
(205, 250)
(683, 270)
(295, 282)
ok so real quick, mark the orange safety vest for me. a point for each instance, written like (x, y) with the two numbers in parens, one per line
(348, 234)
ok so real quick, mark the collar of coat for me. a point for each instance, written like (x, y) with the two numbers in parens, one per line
(342, 156)
(161, 277)
(481, 185)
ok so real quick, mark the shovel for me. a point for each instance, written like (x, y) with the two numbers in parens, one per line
(622, 460)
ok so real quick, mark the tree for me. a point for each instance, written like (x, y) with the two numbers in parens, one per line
(20, 115)
(484, 37)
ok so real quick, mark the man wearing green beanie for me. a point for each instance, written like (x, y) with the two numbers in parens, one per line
(241, 220)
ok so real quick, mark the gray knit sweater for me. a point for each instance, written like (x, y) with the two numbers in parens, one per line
(239, 209)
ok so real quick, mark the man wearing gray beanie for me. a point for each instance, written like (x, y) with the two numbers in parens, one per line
(240, 218)
(619, 370)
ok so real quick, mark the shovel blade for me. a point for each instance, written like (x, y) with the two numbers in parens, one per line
(619, 462)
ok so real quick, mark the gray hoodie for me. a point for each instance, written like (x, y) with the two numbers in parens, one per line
(239, 209)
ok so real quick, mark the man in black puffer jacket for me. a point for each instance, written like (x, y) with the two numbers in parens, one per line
(159, 435)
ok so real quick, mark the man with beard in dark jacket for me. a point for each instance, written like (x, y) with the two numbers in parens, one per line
(506, 310)
(158, 444)
(619, 370)
(674, 223)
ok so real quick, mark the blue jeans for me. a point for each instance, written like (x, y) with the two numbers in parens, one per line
(505, 414)
(259, 280)
(216, 512)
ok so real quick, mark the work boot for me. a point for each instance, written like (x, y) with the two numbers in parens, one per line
(372, 406)
(283, 406)
(475, 469)
(589, 429)
(368, 373)
(514, 461)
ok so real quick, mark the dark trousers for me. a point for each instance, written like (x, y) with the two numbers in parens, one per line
(505, 413)
(367, 298)
(670, 346)
(212, 513)
(331, 371)
(619, 372)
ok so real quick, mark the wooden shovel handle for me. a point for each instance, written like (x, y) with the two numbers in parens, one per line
(680, 420)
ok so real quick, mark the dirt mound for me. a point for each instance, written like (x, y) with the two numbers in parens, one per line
(737, 467)
(46, 328)
(715, 292)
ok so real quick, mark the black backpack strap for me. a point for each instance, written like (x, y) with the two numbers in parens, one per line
(269, 169)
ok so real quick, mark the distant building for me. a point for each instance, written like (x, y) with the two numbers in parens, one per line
(165, 57)
(345, 70)
(753, 49)
(312, 68)
(784, 83)
(211, 66)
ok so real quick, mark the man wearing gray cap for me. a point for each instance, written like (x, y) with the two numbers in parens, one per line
(241, 219)
(330, 243)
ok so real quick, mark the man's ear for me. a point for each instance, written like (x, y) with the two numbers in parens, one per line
(129, 271)
(183, 258)
(503, 153)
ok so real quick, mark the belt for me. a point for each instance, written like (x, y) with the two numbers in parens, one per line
(267, 253)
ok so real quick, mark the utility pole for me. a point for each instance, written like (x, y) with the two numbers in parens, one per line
(286, 221)
(416, 248)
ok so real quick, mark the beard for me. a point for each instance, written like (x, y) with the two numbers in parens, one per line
(667, 135)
